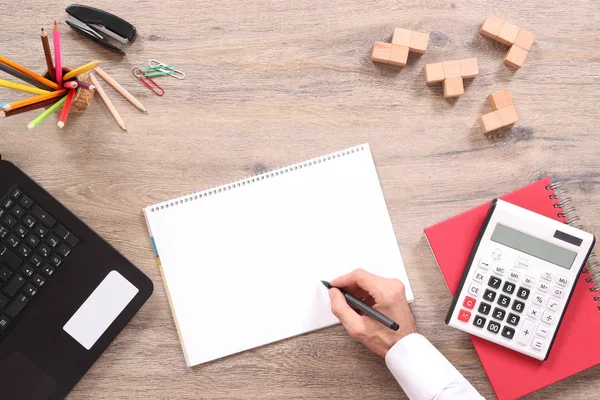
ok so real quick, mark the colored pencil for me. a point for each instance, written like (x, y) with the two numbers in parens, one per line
(85, 85)
(24, 77)
(34, 106)
(84, 68)
(31, 74)
(65, 111)
(40, 118)
(2, 105)
(34, 99)
(70, 85)
(47, 54)
(108, 103)
(57, 56)
(120, 89)
(23, 88)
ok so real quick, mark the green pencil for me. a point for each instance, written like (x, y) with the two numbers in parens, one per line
(40, 118)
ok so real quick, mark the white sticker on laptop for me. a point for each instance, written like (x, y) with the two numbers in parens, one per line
(100, 309)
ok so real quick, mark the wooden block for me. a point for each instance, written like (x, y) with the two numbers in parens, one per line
(491, 27)
(402, 37)
(453, 87)
(500, 99)
(452, 69)
(515, 57)
(434, 73)
(508, 33)
(419, 42)
(399, 55)
(381, 52)
(525, 40)
(508, 115)
(469, 68)
(490, 121)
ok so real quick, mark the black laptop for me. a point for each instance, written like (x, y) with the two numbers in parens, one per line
(65, 293)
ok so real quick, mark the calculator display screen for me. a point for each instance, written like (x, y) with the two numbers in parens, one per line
(533, 246)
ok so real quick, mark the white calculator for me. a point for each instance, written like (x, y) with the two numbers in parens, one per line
(519, 279)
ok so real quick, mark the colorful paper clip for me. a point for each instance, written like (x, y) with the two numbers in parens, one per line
(140, 74)
(152, 72)
(175, 73)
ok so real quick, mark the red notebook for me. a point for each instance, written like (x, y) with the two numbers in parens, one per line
(576, 346)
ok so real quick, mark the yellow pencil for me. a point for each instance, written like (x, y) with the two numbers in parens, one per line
(23, 88)
(81, 70)
(29, 73)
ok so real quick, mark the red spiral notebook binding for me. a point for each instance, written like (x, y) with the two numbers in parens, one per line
(576, 347)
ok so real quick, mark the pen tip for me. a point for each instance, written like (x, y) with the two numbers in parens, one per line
(326, 284)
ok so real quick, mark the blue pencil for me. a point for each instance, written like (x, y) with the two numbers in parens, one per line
(2, 105)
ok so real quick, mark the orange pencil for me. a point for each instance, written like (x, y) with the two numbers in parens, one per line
(34, 99)
(66, 108)
(29, 73)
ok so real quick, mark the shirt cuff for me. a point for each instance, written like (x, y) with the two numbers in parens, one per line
(423, 372)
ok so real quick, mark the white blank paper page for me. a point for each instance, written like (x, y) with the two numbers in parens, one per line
(243, 262)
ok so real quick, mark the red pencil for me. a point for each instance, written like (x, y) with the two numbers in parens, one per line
(66, 108)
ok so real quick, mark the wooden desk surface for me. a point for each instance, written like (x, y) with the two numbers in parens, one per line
(273, 82)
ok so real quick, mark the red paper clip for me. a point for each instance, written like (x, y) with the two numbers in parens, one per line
(146, 78)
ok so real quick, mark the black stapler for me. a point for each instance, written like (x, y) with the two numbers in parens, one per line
(98, 25)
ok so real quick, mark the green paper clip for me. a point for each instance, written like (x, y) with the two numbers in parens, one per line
(151, 72)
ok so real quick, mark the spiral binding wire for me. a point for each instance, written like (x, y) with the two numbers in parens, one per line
(590, 272)
(248, 181)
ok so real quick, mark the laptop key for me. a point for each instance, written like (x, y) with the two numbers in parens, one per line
(38, 280)
(27, 270)
(13, 241)
(36, 260)
(47, 270)
(21, 231)
(30, 290)
(17, 306)
(10, 221)
(33, 240)
(3, 301)
(9, 258)
(40, 230)
(5, 274)
(56, 260)
(16, 193)
(64, 250)
(14, 285)
(4, 322)
(24, 251)
(44, 250)
(43, 216)
(26, 202)
(52, 241)
(29, 221)
(3, 232)
(8, 203)
(17, 211)
(67, 236)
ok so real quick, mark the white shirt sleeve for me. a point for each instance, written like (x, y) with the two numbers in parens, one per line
(424, 373)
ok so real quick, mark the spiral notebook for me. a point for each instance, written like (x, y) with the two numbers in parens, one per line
(242, 262)
(576, 347)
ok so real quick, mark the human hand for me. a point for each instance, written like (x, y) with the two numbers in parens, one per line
(385, 295)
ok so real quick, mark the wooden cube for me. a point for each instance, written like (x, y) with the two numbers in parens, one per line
(508, 115)
(434, 73)
(515, 57)
(491, 27)
(525, 39)
(402, 37)
(500, 99)
(381, 52)
(399, 55)
(508, 33)
(419, 42)
(453, 87)
(469, 68)
(490, 122)
(452, 69)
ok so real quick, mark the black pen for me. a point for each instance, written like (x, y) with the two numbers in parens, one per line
(353, 301)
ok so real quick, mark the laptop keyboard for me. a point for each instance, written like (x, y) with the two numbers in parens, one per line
(33, 245)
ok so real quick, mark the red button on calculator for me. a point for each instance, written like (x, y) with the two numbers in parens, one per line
(469, 302)
(464, 315)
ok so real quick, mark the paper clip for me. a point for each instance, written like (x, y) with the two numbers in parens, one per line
(142, 77)
(152, 72)
(175, 73)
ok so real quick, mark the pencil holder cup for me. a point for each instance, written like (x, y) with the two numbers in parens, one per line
(83, 97)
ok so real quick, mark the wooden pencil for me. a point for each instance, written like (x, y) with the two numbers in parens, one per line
(24, 77)
(120, 89)
(84, 68)
(34, 99)
(34, 106)
(57, 55)
(40, 118)
(108, 103)
(78, 84)
(47, 54)
(29, 73)
(65, 111)
(22, 88)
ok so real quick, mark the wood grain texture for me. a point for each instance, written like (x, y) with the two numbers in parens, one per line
(274, 82)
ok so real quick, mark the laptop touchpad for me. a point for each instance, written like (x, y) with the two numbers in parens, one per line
(100, 310)
(23, 380)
